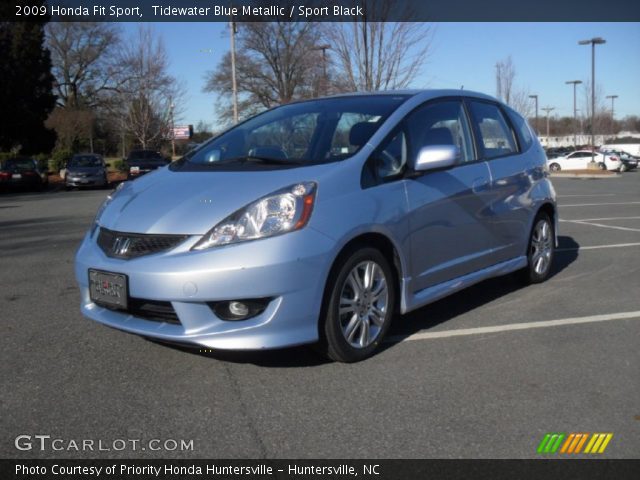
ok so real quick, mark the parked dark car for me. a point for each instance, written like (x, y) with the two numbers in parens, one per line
(629, 162)
(23, 173)
(86, 170)
(140, 162)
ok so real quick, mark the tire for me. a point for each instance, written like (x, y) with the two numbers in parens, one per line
(540, 250)
(554, 167)
(602, 166)
(356, 333)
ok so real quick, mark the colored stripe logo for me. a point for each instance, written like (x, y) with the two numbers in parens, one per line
(573, 443)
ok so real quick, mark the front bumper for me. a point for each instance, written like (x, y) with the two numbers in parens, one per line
(92, 181)
(291, 269)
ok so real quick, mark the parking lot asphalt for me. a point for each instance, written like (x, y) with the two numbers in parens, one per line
(444, 386)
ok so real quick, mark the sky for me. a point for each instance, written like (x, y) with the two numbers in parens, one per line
(545, 55)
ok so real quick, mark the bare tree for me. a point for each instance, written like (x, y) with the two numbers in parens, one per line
(146, 97)
(84, 61)
(276, 62)
(602, 116)
(506, 89)
(377, 55)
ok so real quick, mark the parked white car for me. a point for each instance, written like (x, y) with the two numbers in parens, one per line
(579, 160)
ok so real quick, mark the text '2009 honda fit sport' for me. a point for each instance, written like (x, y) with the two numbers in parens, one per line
(318, 221)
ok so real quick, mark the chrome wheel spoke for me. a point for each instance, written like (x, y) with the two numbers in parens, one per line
(352, 326)
(541, 247)
(364, 333)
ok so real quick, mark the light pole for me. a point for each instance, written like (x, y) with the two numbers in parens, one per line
(593, 42)
(575, 112)
(173, 130)
(612, 97)
(548, 110)
(535, 97)
(325, 80)
(234, 86)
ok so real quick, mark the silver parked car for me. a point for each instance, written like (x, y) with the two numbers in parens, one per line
(86, 170)
(319, 221)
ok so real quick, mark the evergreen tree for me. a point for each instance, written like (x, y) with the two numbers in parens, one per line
(26, 97)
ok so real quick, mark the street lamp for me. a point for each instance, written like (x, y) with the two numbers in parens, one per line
(612, 97)
(325, 80)
(173, 130)
(575, 112)
(593, 42)
(535, 97)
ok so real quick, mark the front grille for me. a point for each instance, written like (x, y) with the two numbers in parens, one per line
(152, 310)
(130, 245)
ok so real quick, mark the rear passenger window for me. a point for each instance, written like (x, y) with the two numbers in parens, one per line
(496, 137)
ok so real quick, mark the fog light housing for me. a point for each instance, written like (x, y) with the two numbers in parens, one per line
(241, 309)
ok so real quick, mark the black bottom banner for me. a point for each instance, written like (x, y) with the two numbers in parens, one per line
(319, 469)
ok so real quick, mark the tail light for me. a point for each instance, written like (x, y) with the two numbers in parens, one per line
(5, 175)
(615, 159)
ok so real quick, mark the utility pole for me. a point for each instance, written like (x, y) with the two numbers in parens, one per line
(234, 86)
(612, 97)
(548, 110)
(535, 97)
(575, 112)
(593, 42)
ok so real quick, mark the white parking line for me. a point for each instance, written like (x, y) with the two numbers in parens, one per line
(596, 247)
(590, 195)
(515, 326)
(614, 227)
(602, 219)
(598, 204)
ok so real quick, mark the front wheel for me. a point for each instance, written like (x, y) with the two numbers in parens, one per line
(540, 250)
(554, 167)
(360, 304)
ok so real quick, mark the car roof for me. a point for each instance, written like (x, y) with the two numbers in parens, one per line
(427, 93)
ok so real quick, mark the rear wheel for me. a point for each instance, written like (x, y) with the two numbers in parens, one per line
(359, 307)
(540, 250)
(602, 166)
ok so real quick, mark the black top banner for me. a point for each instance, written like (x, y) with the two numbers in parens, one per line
(323, 10)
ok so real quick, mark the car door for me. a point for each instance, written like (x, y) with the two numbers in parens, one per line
(577, 160)
(513, 169)
(448, 233)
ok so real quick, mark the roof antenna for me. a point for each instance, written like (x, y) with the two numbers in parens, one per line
(461, 87)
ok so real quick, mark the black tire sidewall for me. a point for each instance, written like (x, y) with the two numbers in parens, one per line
(334, 344)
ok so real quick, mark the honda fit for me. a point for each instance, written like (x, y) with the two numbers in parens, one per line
(319, 222)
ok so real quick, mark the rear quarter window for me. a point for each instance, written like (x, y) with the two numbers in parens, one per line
(523, 130)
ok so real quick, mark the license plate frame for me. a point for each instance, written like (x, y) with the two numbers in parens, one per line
(109, 289)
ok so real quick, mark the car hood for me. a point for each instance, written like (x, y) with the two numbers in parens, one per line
(191, 203)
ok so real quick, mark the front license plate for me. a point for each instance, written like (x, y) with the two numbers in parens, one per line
(84, 181)
(108, 289)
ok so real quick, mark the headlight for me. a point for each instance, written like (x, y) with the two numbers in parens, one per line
(104, 206)
(283, 211)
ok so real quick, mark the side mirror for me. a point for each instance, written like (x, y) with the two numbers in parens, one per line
(436, 156)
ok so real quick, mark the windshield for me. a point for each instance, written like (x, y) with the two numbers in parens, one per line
(148, 156)
(20, 164)
(85, 161)
(315, 131)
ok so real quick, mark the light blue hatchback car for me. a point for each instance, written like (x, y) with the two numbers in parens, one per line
(320, 221)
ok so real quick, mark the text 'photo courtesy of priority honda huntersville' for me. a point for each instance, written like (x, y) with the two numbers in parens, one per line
(320, 221)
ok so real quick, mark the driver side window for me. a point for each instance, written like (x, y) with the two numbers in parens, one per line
(441, 123)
